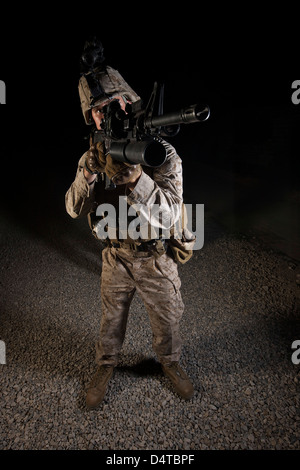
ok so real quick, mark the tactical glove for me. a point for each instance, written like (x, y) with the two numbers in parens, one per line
(95, 161)
(120, 172)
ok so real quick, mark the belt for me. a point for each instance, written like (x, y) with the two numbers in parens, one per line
(151, 245)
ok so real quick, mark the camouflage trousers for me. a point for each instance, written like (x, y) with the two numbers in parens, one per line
(157, 282)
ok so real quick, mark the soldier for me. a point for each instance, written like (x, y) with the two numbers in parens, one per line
(129, 265)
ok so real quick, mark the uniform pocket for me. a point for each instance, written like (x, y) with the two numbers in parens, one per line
(167, 267)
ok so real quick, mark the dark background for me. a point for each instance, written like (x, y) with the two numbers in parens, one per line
(243, 163)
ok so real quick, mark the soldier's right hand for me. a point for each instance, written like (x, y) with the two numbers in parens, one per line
(95, 160)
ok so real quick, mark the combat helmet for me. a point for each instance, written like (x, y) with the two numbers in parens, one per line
(99, 82)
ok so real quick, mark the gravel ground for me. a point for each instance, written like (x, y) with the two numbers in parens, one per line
(241, 317)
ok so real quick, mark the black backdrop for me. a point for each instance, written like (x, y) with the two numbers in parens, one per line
(240, 63)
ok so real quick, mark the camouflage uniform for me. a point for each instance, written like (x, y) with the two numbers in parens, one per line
(125, 270)
(128, 267)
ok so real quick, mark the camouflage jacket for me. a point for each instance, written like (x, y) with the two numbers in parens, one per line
(157, 196)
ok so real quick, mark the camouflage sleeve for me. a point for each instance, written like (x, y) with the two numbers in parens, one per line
(159, 199)
(79, 198)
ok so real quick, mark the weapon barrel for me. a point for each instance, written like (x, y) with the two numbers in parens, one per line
(189, 115)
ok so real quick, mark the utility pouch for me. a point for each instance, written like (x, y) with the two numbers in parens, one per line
(182, 248)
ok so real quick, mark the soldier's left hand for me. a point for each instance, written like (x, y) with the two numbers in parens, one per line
(121, 172)
(128, 175)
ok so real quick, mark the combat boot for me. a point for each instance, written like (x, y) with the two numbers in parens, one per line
(182, 384)
(98, 386)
